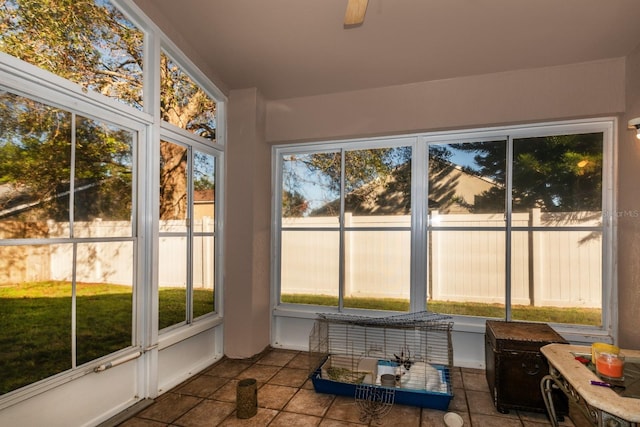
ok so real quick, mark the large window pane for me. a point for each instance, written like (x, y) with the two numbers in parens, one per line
(172, 277)
(556, 269)
(204, 201)
(35, 308)
(310, 269)
(467, 272)
(203, 275)
(173, 185)
(186, 270)
(103, 188)
(184, 103)
(377, 269)
(204, 187)
(466, 239)
(377, 253)
(104, 299)
(311, 185)
(556, 277)
(378, 182)
(58, 297)
(35, 148)
(559, 175)
(90, 43)
(467, 178)
(357, 246)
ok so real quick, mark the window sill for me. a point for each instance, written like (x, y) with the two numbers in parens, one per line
(463, 324)
(174, 336)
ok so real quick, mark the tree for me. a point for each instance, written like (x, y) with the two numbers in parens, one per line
(294, 205)
(184, 104)
(90, 43)
(370, 176)
(561, 173)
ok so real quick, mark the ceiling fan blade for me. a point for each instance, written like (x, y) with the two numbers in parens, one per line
(355, 12)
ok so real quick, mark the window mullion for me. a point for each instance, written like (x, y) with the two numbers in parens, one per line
(190, 223)
(342, 262)
(74, 299)
(508, 224)
(419, 227)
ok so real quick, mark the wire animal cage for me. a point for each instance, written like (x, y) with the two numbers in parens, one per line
(409, 353)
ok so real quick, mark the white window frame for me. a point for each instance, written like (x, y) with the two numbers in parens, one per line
(335, 146)
(419, 209)
(173, 334)
(173, 133)
(24, 79)
(31, 82)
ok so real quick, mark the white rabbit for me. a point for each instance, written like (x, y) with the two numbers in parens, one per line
(422, 376)
(418, 375)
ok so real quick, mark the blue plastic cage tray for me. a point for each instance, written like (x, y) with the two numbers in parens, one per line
(403, 396)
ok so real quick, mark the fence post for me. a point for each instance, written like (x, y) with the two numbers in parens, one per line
(433, 268)
(348, 255)
(207, 256)
(535, 262)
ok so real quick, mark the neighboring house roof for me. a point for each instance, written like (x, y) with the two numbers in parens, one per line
(454, 190)
(204, 196)
(16, 199)
(451, 190)
(12, 197)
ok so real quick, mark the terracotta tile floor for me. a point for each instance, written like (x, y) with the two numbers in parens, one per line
(287, 398)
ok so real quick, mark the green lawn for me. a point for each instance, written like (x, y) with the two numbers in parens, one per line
(576, 316)
(35, 337)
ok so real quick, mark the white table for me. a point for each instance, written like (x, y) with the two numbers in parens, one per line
(602, 406)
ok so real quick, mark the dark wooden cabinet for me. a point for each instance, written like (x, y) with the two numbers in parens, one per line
(515, 366)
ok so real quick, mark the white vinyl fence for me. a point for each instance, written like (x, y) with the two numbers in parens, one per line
(109, 262)
(172, 253)
(549, 268)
